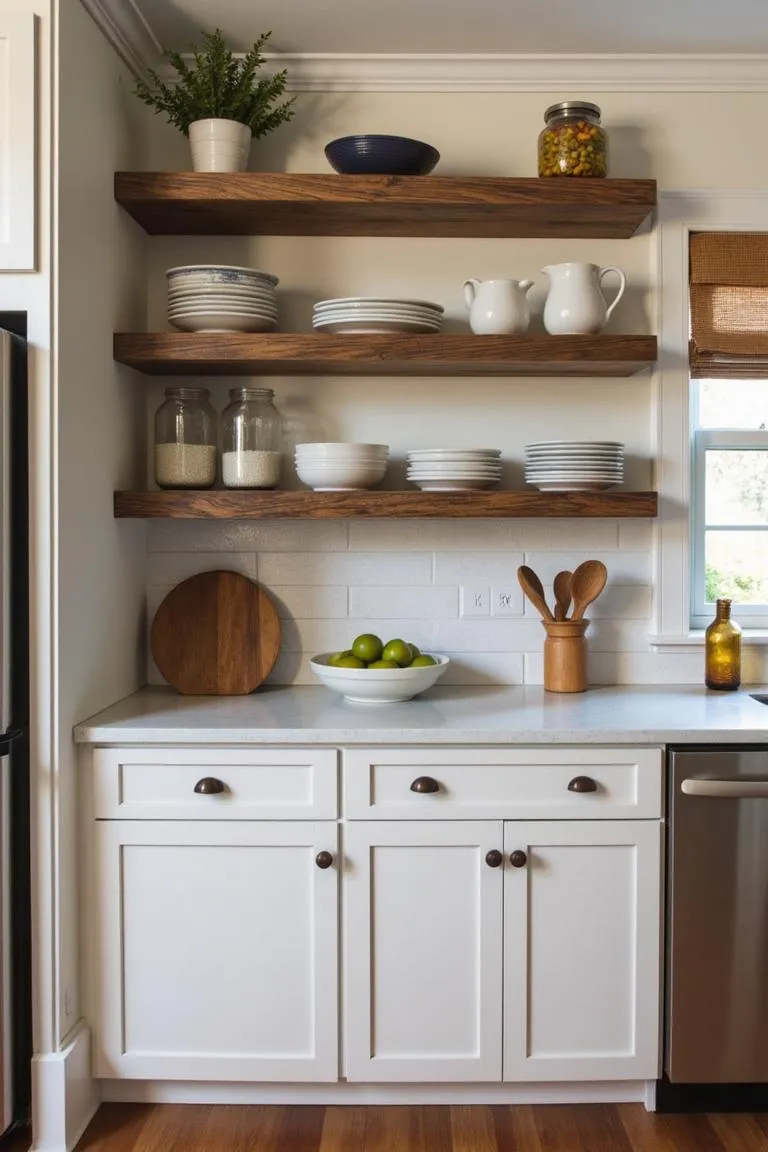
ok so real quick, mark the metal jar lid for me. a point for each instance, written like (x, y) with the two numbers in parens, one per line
(572, 108)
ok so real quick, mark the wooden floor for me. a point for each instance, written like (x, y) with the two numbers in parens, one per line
(583, 1128)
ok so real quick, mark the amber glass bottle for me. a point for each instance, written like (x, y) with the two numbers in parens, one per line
(723, 651)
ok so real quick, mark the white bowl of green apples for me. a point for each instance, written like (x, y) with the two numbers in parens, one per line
(371, 672)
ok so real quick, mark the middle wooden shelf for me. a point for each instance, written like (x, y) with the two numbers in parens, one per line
(320, 354)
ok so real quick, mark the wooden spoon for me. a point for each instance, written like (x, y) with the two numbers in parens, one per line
(562, 594)
(587, 583)
(532, 587)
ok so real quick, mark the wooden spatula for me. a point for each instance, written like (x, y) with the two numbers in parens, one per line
(562, 595)
(587, 583)
(532, 587)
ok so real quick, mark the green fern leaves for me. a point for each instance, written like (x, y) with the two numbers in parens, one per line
(219, 85)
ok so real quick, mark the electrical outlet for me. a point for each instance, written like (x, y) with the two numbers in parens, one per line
(506, 600)
(475, 600)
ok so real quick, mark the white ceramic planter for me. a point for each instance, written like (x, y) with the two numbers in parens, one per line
(219, 145)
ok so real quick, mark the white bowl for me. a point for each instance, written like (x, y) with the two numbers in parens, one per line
(331, 450)
(341, 476)
(223, 322)
(378, 685)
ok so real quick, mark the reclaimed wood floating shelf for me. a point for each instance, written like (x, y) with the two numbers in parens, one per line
(238, 505)
(286, 204)
(318, 354)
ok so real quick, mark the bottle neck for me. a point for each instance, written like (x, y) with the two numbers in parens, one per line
(723, 611)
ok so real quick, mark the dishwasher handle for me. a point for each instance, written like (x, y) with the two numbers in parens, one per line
(735, 789)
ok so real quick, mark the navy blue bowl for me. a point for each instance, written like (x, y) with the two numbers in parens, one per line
(381, 156)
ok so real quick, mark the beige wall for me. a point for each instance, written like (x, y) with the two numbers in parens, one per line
(99, 421)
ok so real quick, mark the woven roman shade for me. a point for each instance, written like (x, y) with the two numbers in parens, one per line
(729, 304)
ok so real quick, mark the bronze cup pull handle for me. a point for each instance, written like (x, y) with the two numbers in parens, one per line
(210, 786)
(494, 858)
(518, 859)
(582, 784)
(324, 860)
(425, 784)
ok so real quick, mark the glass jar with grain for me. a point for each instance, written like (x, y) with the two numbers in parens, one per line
(185, 440)
(251, 440)
(574, 143)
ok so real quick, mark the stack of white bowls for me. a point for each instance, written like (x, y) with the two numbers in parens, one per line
(341, 467)
(574, 465)
(221, 298)
(376, 314)
(454, 469)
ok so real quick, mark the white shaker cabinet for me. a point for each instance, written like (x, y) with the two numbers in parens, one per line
(216, 950)
(423, 951)
(581, 950)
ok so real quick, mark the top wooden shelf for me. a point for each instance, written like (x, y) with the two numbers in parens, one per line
(285, 204)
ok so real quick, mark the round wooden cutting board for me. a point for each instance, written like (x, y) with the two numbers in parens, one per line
(216, 634)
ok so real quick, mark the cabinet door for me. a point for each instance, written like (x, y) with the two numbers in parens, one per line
(423, 951)
(581, 950)
(217, 951)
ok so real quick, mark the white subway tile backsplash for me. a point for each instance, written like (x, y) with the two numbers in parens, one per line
(407, 603)
(559, 535)
(623, 567)
(619, 601)
(247, 536)
(485, 567)
(344, 568)
(170, 568)
(488, 635)
(431, 535)
(310, 601)
(483, 668)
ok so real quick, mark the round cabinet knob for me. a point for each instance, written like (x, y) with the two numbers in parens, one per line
(494, 859)
(324, 860)
(425, 784)
(518, 859)
(210, 786)
(582, 784)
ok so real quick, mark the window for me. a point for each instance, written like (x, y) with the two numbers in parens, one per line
(729, 515)
(729, 418)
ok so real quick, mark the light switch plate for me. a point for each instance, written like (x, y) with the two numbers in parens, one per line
(475, 600)
(507, 600)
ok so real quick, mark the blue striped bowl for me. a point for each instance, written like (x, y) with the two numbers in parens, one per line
(381, 156)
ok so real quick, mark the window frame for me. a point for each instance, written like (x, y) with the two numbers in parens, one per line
(705, 439)
(679, 213)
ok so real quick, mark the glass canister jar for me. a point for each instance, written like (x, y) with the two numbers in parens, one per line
(251, 439)
(185, 440)
(574, 143)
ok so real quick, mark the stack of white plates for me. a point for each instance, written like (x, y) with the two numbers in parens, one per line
(574, 465)
(454, 469)
(341, 467)
(221, 298)
(377, 314)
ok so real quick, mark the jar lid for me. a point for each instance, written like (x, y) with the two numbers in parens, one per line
(187, 393)
(250, 393)
(571, 108)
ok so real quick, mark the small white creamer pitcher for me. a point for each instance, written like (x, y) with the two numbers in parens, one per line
(498, 307)
(575, 303)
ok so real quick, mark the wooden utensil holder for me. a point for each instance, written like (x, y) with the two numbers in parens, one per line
(565, 656)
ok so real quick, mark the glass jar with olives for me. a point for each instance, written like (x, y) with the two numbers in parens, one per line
(574, 143)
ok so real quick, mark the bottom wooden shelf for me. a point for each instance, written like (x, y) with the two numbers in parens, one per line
(237, 505)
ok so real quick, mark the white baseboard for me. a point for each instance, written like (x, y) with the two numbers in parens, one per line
(185, 1092)
(64, 1094)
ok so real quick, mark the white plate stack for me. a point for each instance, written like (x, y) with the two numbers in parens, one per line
(454, 469)
(373, 314)
(574, 465)
(221, 298)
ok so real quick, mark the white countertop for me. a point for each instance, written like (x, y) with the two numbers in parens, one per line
(458, 715)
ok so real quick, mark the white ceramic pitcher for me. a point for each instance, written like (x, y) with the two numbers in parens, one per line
(575, 303)
(497, 307)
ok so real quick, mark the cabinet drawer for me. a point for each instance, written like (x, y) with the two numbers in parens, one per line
(503, 784)
(259, 784)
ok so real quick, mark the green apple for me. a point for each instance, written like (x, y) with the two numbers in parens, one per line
(398, 651)
(383, 664)
(334, 660)
(349, 662)
(367, 647)
(424, 662)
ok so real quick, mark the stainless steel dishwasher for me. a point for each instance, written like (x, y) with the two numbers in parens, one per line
(717, 918)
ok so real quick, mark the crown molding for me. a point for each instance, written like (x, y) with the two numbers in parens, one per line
(379, 72)
(128, 32)
(135, 42)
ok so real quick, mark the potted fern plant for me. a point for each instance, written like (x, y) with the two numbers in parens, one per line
(219, 101)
